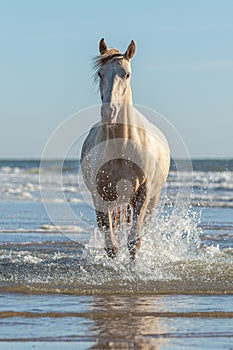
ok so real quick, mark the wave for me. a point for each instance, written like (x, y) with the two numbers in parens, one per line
(45, 228)
(28, 189)
(20, 182)
(209, 186)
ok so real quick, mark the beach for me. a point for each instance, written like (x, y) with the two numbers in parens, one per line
(59, 289)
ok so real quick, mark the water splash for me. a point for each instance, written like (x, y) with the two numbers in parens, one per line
(172, 259)
(165, 241)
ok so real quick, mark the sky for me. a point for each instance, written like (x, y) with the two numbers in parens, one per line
(183, 67)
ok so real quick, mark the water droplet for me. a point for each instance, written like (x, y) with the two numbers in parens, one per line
(184, 234)
(168, 236)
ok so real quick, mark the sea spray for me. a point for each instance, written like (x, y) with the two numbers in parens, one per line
(165, 240)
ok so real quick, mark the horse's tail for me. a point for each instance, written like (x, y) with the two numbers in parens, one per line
(121, 216)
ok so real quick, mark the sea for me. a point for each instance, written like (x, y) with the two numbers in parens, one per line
(59, 290)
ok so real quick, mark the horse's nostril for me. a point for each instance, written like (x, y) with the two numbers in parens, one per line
(112, 110)
(108, 111)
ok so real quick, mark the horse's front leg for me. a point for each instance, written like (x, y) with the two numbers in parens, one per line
(140, 204)
(134, 239)
(104, 221)
(153, 202)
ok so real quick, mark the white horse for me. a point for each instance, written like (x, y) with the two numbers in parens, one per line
(125, 159)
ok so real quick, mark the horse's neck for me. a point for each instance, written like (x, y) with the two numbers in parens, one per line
(125, 112)
(124, 123)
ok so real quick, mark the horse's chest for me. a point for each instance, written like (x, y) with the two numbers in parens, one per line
(118, 176)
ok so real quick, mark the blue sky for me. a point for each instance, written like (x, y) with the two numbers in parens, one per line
(183, 67)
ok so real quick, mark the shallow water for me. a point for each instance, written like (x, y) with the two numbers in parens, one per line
(59, 289)
(117, 321)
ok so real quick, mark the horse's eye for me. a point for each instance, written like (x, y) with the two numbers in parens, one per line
(100, 75)
(127, 75)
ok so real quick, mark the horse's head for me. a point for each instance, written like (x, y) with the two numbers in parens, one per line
(114, 79)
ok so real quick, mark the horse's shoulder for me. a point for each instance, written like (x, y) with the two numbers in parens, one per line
(89, 142)
(148, 131)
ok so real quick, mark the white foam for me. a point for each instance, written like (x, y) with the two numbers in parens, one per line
(46, 228)
(6, 169)
(26, 195)
(75, 200)
(65, 228)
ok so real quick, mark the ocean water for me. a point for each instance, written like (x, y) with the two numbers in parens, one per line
(58, 288)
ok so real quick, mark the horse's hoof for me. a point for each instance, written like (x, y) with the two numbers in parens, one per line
(111, 252)
(132, 250)
(132, 256)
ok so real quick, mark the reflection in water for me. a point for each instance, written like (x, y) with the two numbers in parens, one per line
(119, 327)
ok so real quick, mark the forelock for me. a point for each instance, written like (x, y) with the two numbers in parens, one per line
(101, 60)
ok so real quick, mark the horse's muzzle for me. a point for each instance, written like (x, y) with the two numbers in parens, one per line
(109, 113)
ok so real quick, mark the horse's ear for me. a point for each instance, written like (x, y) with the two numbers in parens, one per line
(129, 53)
(103, 46)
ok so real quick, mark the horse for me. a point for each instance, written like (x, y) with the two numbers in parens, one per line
(125, 159)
